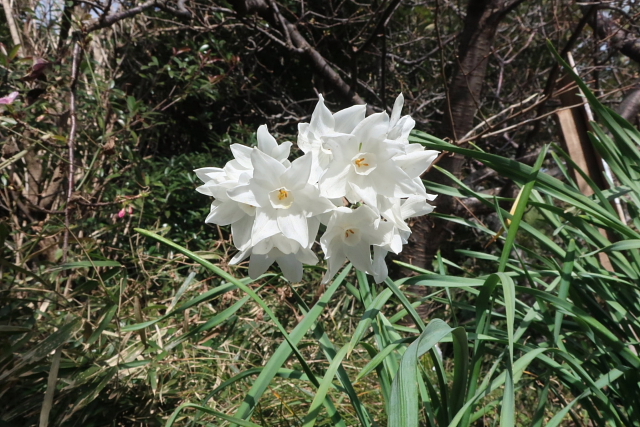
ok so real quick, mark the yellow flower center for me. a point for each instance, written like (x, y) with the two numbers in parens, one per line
(282, 194)
(281, 198)
(361, 162)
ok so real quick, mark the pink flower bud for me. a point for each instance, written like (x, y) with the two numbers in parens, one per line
(122, 213)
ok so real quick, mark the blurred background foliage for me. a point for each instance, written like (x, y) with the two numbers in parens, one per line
(165, 89)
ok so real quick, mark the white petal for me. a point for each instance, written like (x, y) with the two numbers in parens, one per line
(385, 235)
(314, 204)
(263, 247)
(291, 267)
(346, 120)
(334, 262)
(360, 256)
(327, 241)
(362, 187)
(415, 163)
(224, 213)
(397, 183)
(333, 183)
(399, 133)
(233, 169)
(242, 154)
(397, 109)
(303, 139)
(322, 122)
(398, 241)
(412, 148)
(306, 256)
(372, 131)
(313, 225)
(380, 271)
(342, 146)
(265, 225)
(282, 152)
(407, 126)
(266, 142)
(240, 256)
(415, 206)
(205, 189)
(219, 191)
(259, 264)
(294, 227)
(244, 194)
(297, 175)
(285, 244)
(267, 170)
(241, 232)
(204, 174)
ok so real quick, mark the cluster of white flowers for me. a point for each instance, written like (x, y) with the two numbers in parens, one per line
(359, 177)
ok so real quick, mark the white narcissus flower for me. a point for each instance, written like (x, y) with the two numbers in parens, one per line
(283, 198)
(237, 172)
(323, 123)
(376, 159)
(275, 206)
(363, 168)
(395, 212)
(350, 235)
(287, 253)
(413, 159)
(225, 211)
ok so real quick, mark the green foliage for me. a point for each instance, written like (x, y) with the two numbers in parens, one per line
(556, 319)
(552, 318)
(153, 328)
(583, 312)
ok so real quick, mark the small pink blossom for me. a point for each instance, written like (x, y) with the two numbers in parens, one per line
(122, 213)
(5, 100)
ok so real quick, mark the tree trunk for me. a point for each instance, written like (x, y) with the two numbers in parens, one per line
(476, 40)
(630, 106)
(627, 43)
(463, 100)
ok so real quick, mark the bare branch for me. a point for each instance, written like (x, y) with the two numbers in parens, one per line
(75, 71)
(322, 66)
(382, 23)
(108, 20)
(509, 7)
(299, 45)
(551, 80)
(181, 10)
(620, 39)
(280, 18)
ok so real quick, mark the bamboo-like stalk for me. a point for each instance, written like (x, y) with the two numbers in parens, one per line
(15, 35)
(75, 69)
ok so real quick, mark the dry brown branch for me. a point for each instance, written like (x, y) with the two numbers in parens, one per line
(299, 45)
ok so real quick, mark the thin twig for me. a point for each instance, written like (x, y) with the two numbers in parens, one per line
(75, 71)
(104, 21)
(280, 18)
